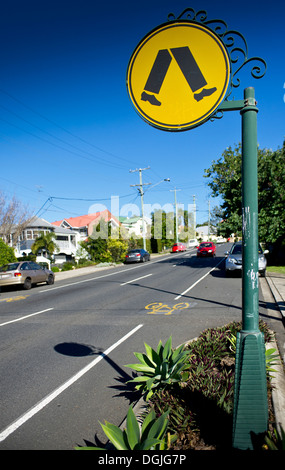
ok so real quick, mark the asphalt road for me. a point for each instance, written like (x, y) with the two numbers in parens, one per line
(64, 347)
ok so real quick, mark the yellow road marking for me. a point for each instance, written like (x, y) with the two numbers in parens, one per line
(163, 309)
(13, 299)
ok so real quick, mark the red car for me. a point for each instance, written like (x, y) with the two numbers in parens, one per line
(178, 247)
(206, 249)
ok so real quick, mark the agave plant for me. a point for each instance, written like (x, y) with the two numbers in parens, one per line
(151, 435)
(159, 368)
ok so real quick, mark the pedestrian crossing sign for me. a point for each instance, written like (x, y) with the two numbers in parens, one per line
(178, 75)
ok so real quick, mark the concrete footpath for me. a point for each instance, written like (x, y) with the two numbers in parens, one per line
(276, 284)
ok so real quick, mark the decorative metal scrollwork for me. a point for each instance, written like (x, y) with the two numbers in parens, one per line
(234, 42)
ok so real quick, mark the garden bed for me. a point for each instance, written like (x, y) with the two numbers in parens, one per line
(201, 406)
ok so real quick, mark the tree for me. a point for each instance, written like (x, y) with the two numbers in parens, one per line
(14, 217)
(7, 254)
(225, 175)
(45, 244)
(96, 246)
(117, 249)
(163, 227)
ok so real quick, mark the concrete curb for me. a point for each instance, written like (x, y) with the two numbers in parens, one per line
(278, 379)
(277, 296)
(278, 390)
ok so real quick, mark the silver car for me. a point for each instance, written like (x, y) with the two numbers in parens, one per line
(234, 259)
(25, 273)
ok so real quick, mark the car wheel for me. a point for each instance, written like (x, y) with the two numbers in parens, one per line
(27, 284)
(50, 280)
(262, 273)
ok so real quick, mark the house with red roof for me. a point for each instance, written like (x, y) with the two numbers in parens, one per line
(85, 224)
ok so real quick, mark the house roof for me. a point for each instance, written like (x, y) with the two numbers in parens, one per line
(85, 220)
(37, 222)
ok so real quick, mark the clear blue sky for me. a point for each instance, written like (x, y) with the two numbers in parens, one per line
(67, 127)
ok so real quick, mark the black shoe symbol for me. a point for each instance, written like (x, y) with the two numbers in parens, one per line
(204, 92)
(151, 98)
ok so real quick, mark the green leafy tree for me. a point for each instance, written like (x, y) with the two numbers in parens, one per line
(117, 248)
(7, 254)
(163, 227)
(45, 244)
(226, 182)
(97, 245)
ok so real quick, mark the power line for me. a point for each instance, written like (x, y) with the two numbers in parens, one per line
(60, 127)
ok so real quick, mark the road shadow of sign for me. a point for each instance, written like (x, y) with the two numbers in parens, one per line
(77, 349)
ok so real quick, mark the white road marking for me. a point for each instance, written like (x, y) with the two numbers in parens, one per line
(26, 316)
(104, 275)
(29, 414)
(197, 282)
(134, 280)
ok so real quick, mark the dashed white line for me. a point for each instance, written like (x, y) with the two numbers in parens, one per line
(134, 280)
(26, 316)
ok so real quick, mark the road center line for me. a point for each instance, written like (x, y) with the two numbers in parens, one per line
(26, 316)
(197, 282)
(134, 280)
(104, 275)
(29, 414)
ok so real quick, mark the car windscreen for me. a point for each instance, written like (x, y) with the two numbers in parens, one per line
(237, 250)
(9, 267)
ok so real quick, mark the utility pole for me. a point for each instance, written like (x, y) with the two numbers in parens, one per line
(141, 193)
(209, 220)
(194, 211)
(176, 213)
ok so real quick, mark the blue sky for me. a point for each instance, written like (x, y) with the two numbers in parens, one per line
(69, 133)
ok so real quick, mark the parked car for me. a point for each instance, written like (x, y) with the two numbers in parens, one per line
(206, 249)
(234, 259)
(25, 273)
(137, 255)
(193, 242)
(221, 240)
(178, 247)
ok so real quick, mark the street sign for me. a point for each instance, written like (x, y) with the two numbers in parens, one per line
(178, 75)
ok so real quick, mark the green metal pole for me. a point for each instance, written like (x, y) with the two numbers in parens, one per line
(250, 417)
(249, 213)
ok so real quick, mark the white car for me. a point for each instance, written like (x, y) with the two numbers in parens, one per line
(193, 242)
(234, 259)
(221, 240)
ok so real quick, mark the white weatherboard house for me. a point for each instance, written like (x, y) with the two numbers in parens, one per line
(66, 240)
(134, 225)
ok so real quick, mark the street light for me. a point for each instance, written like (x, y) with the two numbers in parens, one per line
(140, 189)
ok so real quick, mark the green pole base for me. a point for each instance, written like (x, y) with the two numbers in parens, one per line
(250, 416)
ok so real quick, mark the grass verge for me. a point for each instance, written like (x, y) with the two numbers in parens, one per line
(276, 269)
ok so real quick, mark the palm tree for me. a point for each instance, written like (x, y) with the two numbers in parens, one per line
(45, 243)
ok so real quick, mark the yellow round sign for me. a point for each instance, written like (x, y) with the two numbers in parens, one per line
(178, 75)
